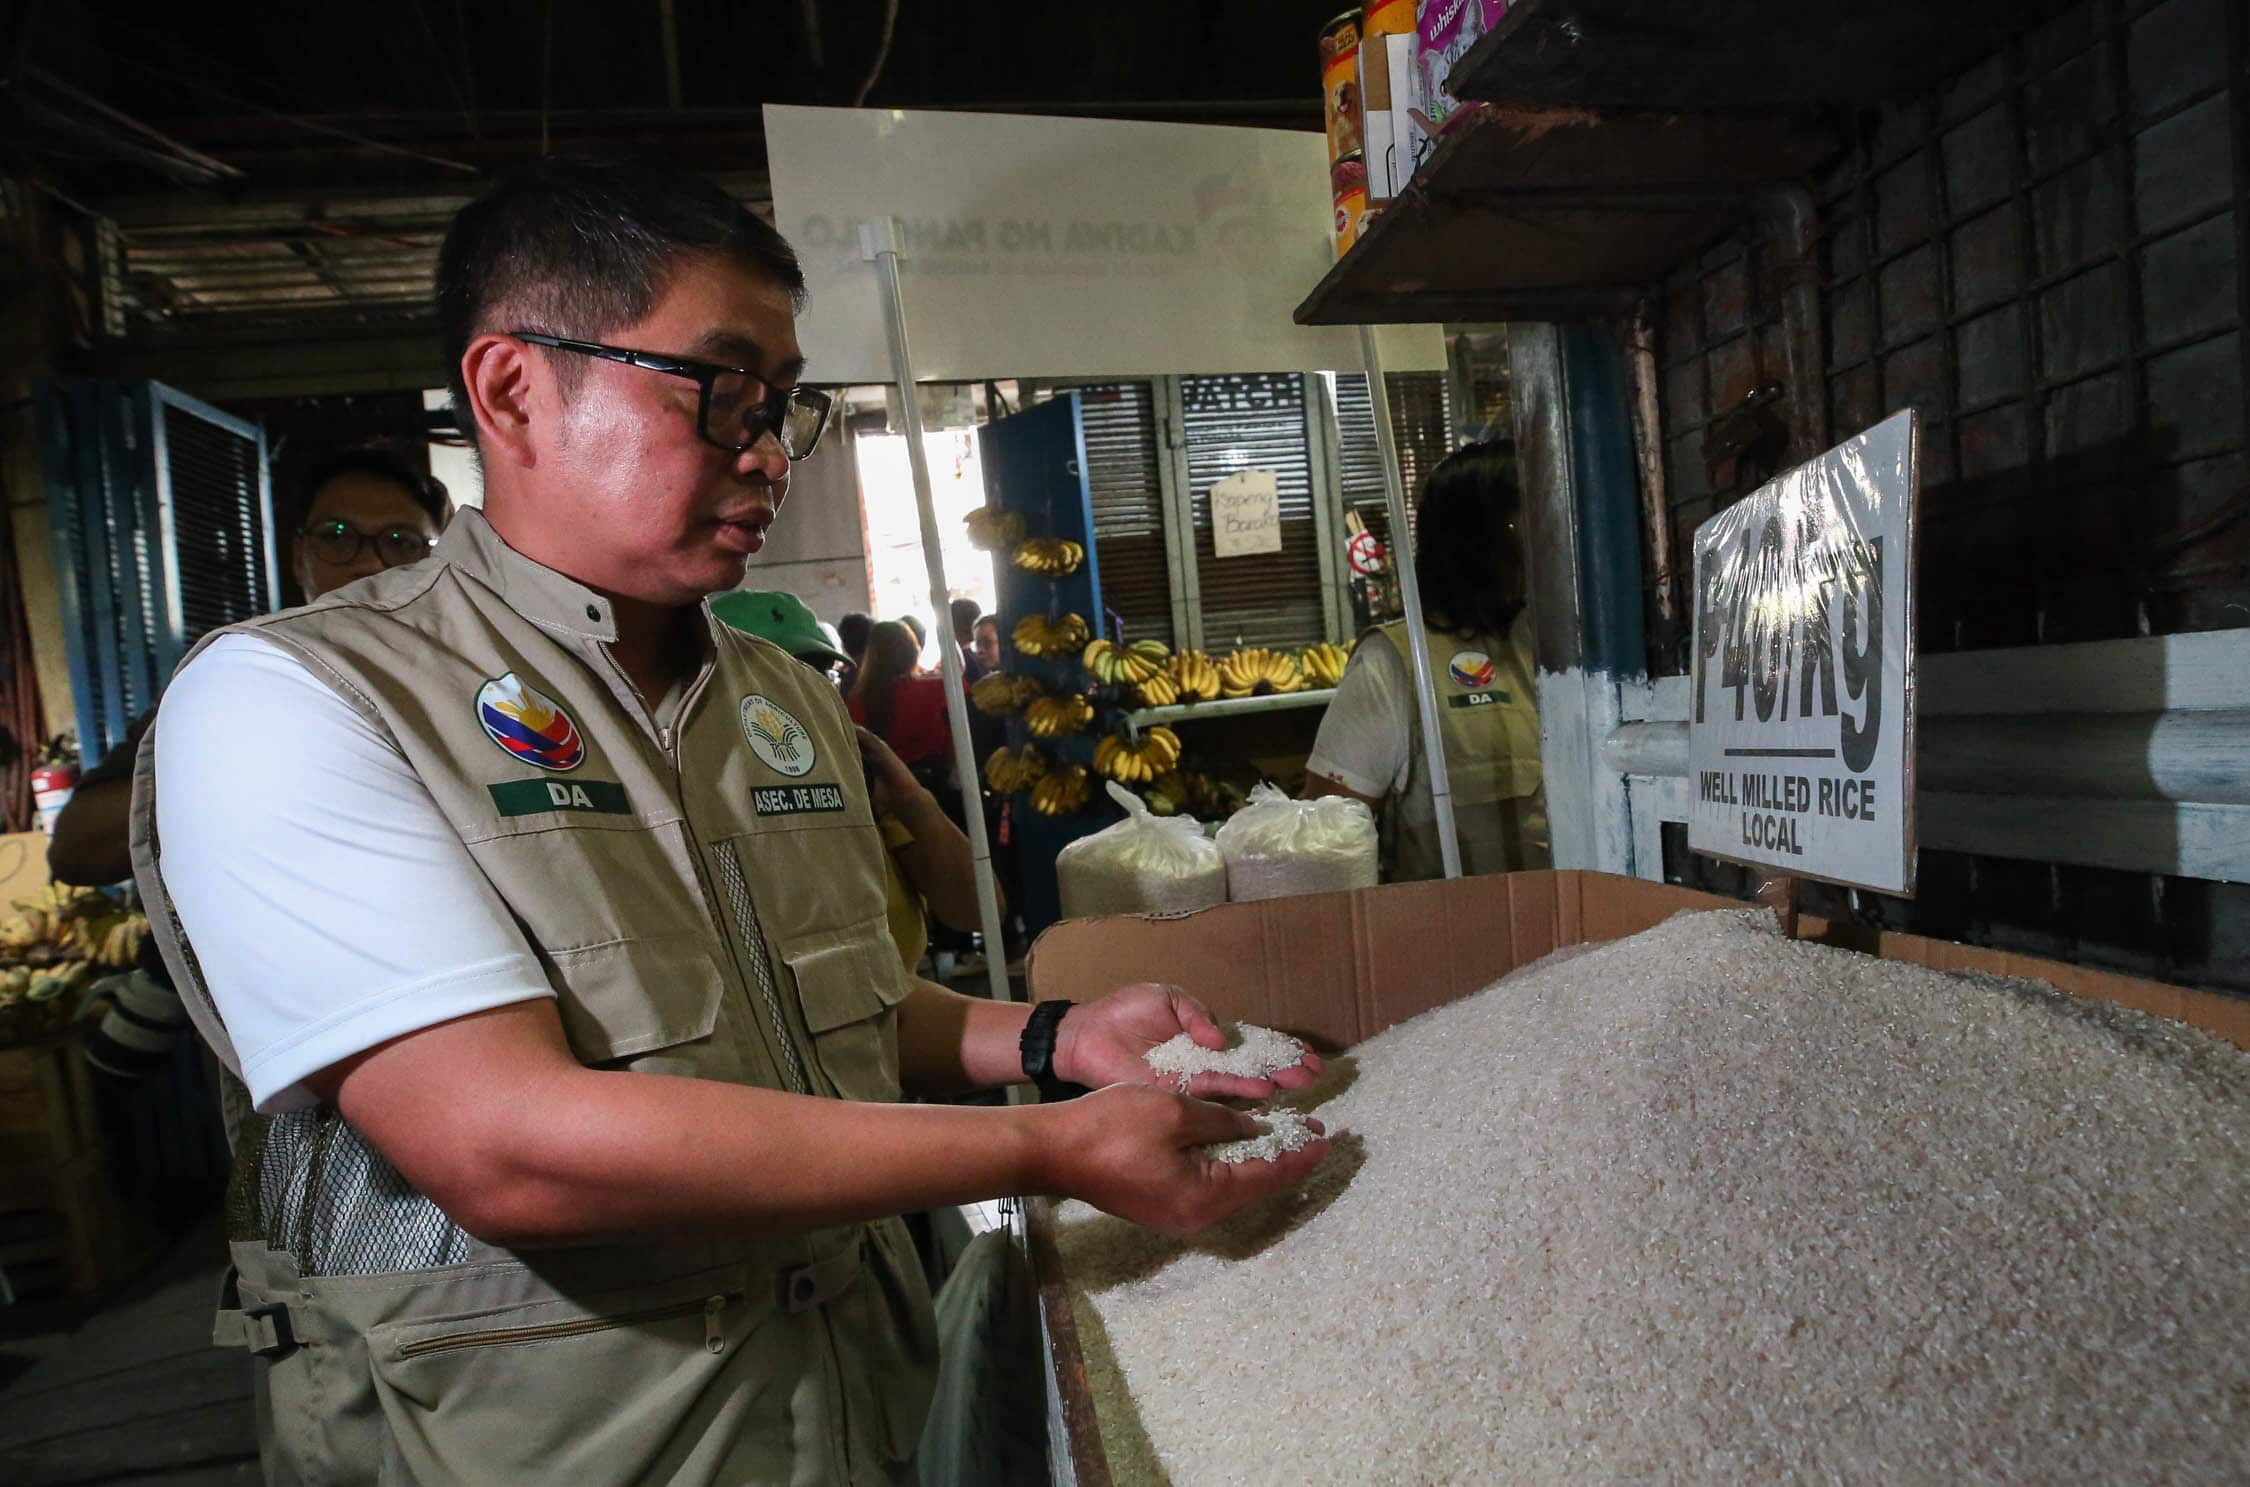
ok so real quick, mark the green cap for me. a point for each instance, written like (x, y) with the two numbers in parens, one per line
(781, 618)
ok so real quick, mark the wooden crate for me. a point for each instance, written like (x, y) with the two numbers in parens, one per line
(64, 1235)
(46, 1103)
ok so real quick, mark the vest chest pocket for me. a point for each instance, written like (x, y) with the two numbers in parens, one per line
(849, 985)
(641, 1002)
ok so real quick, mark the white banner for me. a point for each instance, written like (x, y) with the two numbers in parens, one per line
(1049, 247)
(1801, 715)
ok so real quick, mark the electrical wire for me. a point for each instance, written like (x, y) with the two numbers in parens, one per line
(882, 53)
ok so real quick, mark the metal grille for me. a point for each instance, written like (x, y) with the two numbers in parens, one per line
(212, 476)
(753, 934)
(1122, 467)
(1423, 422)
(93, 444)
(1254, 421)
(2048, 258)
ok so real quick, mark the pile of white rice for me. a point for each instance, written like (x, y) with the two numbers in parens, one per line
(1708, 1206)
(1252, 1052)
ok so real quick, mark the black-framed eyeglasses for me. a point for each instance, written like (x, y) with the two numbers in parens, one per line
(737, 408)
(339, 542)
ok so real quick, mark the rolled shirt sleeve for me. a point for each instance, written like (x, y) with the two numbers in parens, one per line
(1366, 740)
(331, 904)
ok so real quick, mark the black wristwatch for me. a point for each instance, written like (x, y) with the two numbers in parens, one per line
(1038, 1045)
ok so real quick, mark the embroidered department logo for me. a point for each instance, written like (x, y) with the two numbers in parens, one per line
(775, 737)
(1471, 669)
(529, 724)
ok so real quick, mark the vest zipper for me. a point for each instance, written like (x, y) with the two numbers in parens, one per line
(713, 1309)
(759, 972)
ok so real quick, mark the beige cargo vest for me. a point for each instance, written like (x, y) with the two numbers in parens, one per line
(1488, 717)
(708, 900)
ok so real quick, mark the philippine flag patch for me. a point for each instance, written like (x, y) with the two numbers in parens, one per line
(1471, 669)
(529, 724)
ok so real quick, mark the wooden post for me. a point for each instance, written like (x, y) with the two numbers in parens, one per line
(1778, 892)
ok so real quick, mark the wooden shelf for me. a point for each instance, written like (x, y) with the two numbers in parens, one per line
(1728, 56)
(1558, 213)
(1622, 136)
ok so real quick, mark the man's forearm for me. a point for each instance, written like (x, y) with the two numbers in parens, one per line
(948, 1043)
(633, 1154)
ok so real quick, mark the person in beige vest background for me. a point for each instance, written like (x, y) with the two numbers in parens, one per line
(1468, 557)
(538, 919)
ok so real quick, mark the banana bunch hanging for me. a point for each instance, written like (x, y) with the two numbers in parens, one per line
(1037, 635)
(994, 531)
(1058, 717)
(1060, 792)
(1049, 557)
(1156, 754)
(1010, 770)
(1324, 665)
(1257, 672)
(1125, 665)
(1180, 790)
(998, 694)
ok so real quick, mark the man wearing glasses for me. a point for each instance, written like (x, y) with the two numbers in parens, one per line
(546, 936)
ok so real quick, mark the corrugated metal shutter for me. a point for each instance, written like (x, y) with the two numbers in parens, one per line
(1254, 421)
(160, 509)
(1122, 467)
(211, 475)
(1423, 423)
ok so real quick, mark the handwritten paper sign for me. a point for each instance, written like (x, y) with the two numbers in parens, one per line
(1246, 514)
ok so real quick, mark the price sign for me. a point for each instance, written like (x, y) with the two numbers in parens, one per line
(1246, 514)
(1801, 713)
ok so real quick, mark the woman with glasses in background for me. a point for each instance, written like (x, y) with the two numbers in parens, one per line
(361, 511)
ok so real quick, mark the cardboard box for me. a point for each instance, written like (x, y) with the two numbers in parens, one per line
(23, 867)
(1339, 968)
(1335, 969)
(1386, 90)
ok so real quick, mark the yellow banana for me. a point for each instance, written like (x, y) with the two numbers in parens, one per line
(993, 530)
(1051, 556)
(1061, 792)
(995, 694)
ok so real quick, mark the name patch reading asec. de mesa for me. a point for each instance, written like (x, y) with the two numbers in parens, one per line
(795, 800)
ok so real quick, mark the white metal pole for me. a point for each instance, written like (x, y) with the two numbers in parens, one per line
(1410, 591)
(878, 244)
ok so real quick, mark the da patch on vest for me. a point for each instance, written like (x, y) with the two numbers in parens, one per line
(529, 724)
(1471, 669)
(781, 742)
(796, 800)
(1477, 699)
(529, 797)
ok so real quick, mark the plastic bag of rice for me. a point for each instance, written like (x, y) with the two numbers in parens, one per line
(1145, 864)
(1276, 847)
